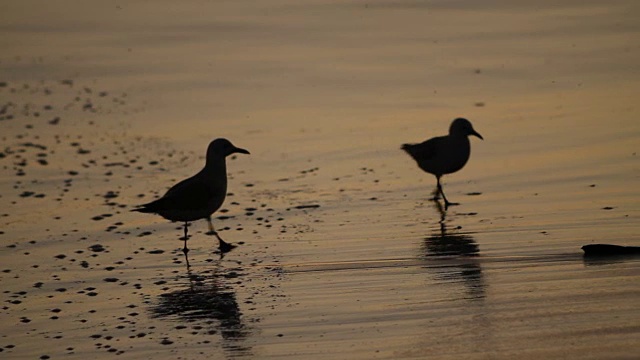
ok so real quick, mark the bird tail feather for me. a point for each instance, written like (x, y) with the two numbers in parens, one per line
(151, 207)
(409, 148)
(142, 209)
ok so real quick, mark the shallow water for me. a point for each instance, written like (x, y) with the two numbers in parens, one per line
(342, 254)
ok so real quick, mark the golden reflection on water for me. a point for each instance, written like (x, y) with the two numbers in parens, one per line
(461, 251)
(207, 303)
(334, 88)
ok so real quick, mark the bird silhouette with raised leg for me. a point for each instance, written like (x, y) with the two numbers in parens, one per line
(444, 154)
(199, 196)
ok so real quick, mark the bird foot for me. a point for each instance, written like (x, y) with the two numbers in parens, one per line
(225, 247)
(447, 204)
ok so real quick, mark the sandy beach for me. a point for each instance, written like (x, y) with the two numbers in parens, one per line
(341, 252)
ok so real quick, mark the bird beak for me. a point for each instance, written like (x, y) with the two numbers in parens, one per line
(473, 132)
(241, 151)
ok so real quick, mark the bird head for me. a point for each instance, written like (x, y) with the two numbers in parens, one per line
(462, 126)
(223, 147)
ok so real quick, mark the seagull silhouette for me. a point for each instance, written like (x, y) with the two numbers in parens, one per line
(199, 196)
(444, 154)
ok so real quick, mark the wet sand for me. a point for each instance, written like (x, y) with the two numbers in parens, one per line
(341, 253)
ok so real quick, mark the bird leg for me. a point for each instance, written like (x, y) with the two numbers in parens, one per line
(441, 211)
(224, 246)
(435, 194)
(186, 258)
(185, 250)
(446, 202)
(211, 231)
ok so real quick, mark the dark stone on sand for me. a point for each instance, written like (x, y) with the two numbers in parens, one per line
(33, 145)
(594, 250)
(312, 206)
(96, 248)
(111, 195)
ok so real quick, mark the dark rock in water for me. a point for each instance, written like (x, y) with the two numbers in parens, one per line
(610, 250)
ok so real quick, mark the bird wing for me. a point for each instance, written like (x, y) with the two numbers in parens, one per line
(183, 196)
(423, 151)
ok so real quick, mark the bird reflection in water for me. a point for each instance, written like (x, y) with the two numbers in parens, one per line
(208, 301)
(458, 253)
